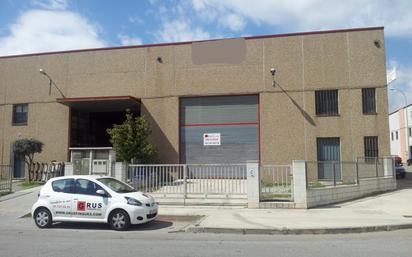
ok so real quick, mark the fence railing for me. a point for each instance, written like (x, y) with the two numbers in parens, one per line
(5, 178)
(338, 173)
(276, 183)
(42, 172)
(189, 179)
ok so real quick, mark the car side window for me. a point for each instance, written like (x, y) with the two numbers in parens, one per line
(63, 186)
(86, 187)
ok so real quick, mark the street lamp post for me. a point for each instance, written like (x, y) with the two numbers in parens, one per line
(407, 123)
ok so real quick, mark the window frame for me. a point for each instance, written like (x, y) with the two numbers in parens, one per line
(322, 104)
(365, 104)
(14, 120)
(370, 142)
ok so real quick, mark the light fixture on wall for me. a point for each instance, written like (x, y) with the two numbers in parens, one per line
(273, 71)
(43, 72)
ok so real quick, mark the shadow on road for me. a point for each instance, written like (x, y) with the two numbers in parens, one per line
(153, 225)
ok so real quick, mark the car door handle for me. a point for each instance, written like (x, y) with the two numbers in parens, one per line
(76, 199)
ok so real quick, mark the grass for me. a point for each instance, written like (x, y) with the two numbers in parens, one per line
(316, 184)
(31, 184)
(274, 196)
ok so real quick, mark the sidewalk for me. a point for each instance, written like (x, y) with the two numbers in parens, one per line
(383, 212)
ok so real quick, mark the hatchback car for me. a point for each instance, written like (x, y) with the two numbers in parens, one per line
(92, 199)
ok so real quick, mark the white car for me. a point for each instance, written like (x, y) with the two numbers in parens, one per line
(92, 199)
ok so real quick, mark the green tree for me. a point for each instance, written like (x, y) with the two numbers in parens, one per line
(27, 148)
(130, 140)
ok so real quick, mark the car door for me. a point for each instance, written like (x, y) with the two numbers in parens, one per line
(87, 204)
(61, 199)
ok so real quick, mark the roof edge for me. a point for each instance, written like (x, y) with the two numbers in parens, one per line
(189, 42)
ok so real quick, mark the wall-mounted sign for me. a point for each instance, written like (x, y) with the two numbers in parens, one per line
(211, 139)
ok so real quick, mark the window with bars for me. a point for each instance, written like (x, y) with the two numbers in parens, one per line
(20, 114)
(368, 101)
(326, 102)
(371, 147)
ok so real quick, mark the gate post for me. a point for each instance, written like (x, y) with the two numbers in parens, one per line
(253, 184)
(184, 183)
(299, 184)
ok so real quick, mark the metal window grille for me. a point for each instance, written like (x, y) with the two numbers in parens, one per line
(326, 102)
(371, 147)
(20, 113)
(368, 101)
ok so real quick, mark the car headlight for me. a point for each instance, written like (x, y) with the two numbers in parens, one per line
(133, 201)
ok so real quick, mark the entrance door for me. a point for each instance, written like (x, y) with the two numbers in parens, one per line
(19, 166)
(221, 129)
(329, 158)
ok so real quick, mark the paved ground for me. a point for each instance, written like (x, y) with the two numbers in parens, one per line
(390, 209)
(76, 240)
(164, 237)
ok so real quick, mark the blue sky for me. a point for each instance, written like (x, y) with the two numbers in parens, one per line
(28, 26)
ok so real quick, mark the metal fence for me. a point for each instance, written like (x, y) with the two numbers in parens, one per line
(5, 178)
(338, 173)
(189, 179)
(276, 183)
(42, 172)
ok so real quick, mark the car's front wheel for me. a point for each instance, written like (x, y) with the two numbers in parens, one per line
(43, 218)
(119, 220)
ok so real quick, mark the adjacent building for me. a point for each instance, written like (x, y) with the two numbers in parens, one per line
(400, 123)
(207, 101)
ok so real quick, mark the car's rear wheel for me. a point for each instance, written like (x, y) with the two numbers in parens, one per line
(43, 218)
(119, 220)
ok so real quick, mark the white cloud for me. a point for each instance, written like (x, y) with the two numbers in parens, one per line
(51, 4)
(46, 30)
(179, 30)
(396, 16)
(234, 22)
(128, 40)
(403, 83)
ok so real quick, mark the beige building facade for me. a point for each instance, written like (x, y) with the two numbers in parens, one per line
(157, 78)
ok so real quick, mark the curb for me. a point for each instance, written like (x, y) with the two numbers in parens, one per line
(299, 231)
(19, 193)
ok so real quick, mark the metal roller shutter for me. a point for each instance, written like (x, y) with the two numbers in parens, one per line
(233, 118)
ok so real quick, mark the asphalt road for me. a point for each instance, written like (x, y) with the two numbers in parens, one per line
(162, 238)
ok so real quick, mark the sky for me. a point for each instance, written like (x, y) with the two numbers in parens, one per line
(32, 26)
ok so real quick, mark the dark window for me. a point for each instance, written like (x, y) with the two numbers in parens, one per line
(87, 187)
(326, 102)
(368, 101)
(396, 135)
(392, 136)
(409, 131)
(20, 114)
(371, 147)
(63, 186)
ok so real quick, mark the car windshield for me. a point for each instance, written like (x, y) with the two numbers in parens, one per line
(116, 185)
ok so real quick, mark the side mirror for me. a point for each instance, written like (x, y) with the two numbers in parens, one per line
(101, 192)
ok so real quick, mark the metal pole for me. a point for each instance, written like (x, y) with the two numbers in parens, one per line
(357, 171)
(334, 175)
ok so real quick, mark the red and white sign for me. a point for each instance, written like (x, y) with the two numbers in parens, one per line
(211, 139)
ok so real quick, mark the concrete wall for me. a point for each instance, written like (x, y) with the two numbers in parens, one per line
(369, 186)
(346, 60)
